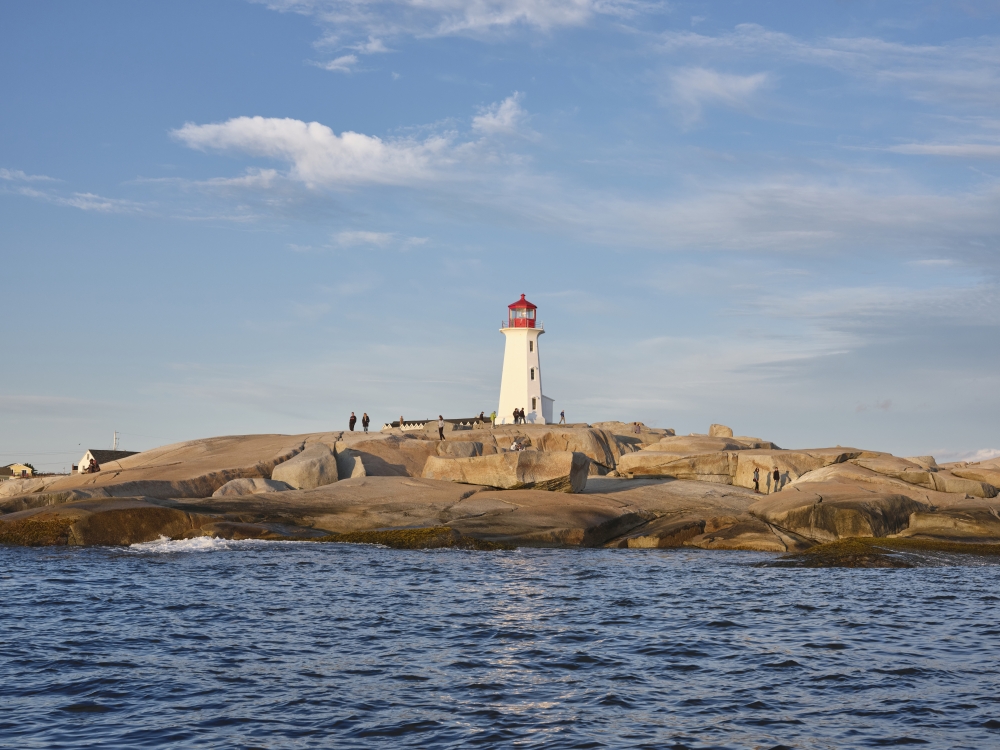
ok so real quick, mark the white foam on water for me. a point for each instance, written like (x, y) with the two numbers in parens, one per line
(199, 544)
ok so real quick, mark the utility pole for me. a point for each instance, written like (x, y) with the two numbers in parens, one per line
(114, 446)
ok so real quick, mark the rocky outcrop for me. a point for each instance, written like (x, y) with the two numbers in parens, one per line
(829, 511)
(979, 474)
(27, 485)
(562, 471)
(750, 534)
(349, 463)
(719, 430)
(945, 481)
(461, 449)
(661, 533)
(531, 518)
(897, 468)
(313, 467)
(395, 456)
(114, 521)
(603, 447)
(717, 468)
(195, 468)
(966, 522)
(791, 465)
(246, 486)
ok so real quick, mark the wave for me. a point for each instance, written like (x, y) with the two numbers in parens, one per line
(200, 544)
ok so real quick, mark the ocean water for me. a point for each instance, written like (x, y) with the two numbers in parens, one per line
(214, 644)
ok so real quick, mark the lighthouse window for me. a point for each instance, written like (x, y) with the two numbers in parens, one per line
(531, 346)
(532, 377)
(532, 404)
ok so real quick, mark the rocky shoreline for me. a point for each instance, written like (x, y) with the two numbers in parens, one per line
(492, 488)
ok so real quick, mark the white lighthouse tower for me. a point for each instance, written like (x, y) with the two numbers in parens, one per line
(521, 384)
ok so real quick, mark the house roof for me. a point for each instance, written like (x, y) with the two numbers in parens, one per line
(102, 456)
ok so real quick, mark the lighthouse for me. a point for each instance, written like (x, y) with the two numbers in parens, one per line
(521, 383)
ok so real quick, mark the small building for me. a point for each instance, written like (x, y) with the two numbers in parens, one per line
(521, 382)
(102, 457)
(20, 470)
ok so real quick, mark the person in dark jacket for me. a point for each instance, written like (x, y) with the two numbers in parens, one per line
(365, 421)
(756, 479)
(352, 421)
(777, 479)
(440, 427)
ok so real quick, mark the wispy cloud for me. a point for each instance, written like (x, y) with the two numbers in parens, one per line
(16, 175)
(354, 238)
(342, 64)
(965, 70)
(501, 118)
(960, 150)
(450, 17)
(83, 201)
(694, 88)
(371, 47)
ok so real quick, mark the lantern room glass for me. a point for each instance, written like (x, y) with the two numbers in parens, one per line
(521, 318)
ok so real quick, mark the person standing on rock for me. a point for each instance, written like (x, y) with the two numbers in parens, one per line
(562, 417)
(400, 422)
(365, 421)
(777, 479)
(493, 417)
(440, 427)
(516, 415)
(756, 479)
(352, 421)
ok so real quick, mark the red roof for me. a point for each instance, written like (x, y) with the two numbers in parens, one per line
(522, 303)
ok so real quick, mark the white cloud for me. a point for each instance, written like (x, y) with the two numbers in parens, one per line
(252, 178)
(342, 64)
(964, 70)
(318, 156)
(693, 88)
(83, 201)
(501, 118)
(961, 150)
(450, 17)
(16, 175)
(372, 47)
(354, 238)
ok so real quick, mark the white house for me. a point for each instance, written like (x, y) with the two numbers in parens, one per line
(521, 382)
(102, 457)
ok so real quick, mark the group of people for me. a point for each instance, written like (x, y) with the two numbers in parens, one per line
(365, 421)
(519, 416)
(775, 475)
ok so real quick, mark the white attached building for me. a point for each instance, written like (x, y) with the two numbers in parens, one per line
(521, 383)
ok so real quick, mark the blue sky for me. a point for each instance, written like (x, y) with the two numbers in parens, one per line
(234, 217)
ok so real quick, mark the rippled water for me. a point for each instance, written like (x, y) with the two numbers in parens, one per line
(272, 645)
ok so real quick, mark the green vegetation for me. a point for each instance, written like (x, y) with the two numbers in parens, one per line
(433, 537)
(881, 552)
(29, 532)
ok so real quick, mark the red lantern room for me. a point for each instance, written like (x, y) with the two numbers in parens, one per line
(521, 314)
